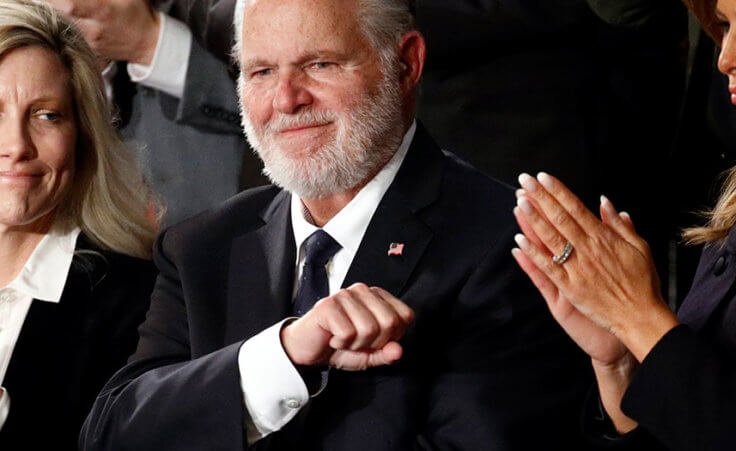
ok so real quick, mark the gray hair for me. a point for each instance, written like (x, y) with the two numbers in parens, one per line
(383, 22)
(108, 199)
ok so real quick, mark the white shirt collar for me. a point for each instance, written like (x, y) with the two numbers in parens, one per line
(348, 226)
(44, 275)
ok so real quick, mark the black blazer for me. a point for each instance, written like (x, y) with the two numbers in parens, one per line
(67, 351)
(484, 363)
(684, 393)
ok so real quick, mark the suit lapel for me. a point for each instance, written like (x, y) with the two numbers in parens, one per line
(50, 329)
(261, 273)
(396, 220)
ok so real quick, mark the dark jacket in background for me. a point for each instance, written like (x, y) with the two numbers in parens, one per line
(528, 85)
(66, 352)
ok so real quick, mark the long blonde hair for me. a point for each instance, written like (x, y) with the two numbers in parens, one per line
(109, 199)
(723, 216)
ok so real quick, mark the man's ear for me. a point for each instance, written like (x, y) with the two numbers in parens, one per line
(412, 53)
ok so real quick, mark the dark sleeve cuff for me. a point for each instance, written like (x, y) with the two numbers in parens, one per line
(672, 355)
(599, 431)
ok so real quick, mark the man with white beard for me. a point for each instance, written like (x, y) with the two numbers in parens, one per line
(366, 301)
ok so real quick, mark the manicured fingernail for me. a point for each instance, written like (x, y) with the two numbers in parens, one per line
(608, 206)
(516, 211)
(515, 251)
(525, 205)
(545, 179)
(527, 182)
(625, 215)
(519, 193)
(521, 241)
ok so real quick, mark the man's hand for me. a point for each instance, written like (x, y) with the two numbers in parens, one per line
(354, 329)
(123, 30)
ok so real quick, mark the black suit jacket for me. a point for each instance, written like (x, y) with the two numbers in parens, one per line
(484, 364)
(66, 351)
(684, 393)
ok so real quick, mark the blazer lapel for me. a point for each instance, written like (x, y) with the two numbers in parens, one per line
(45, 337)
(261, 273)
(396, 220)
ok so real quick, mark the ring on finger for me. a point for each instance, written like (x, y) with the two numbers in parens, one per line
(562, 258)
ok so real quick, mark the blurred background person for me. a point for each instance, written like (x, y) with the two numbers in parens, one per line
(585, 89)
(75, 238)
(176, 97)
(671, 377)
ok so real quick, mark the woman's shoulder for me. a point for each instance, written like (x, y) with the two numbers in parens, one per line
(103, 265)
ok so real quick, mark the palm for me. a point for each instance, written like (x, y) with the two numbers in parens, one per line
(599, 343)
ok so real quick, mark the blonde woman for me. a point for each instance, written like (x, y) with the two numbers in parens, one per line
(673, 377)
(75, 237)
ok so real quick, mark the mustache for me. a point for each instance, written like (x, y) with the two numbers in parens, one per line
(302, 119)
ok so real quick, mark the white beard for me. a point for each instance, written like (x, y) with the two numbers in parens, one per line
(368, 135)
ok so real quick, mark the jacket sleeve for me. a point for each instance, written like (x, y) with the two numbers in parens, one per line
(210, 99)
(684, 394)
(162, 399)
(510, 379)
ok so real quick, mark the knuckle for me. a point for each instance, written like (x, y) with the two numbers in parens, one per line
(370, 330)
(560, 219)
(577, 208)
(328, 304)
(359, 286)
(346, 335)
(390, 323)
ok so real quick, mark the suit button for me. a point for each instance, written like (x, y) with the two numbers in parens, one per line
(720, 266)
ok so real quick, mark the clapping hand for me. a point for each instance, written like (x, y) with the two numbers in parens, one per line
(599, 343)
(609, 277)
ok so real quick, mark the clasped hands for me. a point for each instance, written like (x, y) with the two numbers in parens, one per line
(356, 328)
(606, 295)
(122, 30)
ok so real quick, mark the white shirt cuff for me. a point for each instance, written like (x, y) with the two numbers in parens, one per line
(273, 390)
(168, 69)
(4, 406)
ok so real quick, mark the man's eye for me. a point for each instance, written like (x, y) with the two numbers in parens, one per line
(322, 65)
(262, 73)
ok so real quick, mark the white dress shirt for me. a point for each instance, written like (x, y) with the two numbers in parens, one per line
(273, 390)
(42, 278)
(168, 69)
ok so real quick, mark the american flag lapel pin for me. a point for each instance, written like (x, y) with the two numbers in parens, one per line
(396, 249)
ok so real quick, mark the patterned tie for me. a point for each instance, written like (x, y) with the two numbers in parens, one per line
(319, 248)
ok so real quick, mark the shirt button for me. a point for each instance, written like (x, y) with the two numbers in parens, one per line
(6, 297)
(293, 404)
(720, 266)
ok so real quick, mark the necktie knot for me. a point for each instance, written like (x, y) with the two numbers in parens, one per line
(319, 248)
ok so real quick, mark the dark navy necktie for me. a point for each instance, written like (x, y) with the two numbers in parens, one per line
(319, 248)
